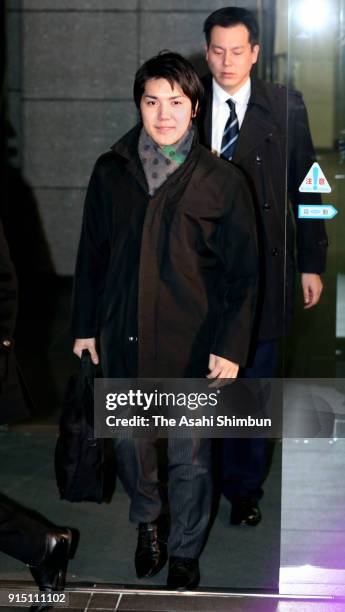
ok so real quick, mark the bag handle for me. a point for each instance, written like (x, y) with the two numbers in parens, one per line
(87, 368)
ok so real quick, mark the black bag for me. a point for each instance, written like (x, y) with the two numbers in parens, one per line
(79, 457)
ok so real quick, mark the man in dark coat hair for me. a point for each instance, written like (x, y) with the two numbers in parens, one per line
(41, 546)
(263, 129)
(166, 272)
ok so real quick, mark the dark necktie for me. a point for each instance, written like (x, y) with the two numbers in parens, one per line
(230, 134)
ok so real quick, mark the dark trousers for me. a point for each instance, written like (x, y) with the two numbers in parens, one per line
(189, 488)
(21, 535)
(244, 460)
(189, 481)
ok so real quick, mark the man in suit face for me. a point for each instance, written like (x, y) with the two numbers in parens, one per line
(264, 150)
(230, 55)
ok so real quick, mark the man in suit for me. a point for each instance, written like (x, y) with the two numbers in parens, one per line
(44, 548)
(245, 121)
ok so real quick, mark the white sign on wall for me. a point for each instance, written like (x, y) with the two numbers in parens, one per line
(315, 181)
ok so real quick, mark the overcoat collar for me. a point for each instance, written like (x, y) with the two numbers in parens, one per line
(257, 125)
(127, 147)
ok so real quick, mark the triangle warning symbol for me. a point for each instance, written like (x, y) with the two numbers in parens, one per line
(315, 181)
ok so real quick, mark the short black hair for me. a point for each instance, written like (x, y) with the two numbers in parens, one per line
(232, 16)
(175, 69)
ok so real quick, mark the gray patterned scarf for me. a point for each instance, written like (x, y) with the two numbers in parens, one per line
(160, 162)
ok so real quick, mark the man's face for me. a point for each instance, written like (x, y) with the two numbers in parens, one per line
(230, 56)
(166, 111)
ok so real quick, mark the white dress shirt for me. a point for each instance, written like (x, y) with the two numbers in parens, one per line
(221, 110)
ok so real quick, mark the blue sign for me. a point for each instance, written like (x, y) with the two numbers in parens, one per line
(316, 211)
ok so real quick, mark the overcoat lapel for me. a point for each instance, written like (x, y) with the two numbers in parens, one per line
(257, 125)
(256, 128)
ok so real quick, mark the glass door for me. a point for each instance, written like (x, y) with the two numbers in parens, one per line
(313, 492)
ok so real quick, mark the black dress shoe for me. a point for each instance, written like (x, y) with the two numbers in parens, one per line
(50, 574)
(245, 512)
(151, 552)
(183, 573)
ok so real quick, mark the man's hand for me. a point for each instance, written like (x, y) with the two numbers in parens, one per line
(312, 288)
(86, 343)
(221, 368)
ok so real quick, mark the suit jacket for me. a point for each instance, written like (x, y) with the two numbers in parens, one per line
(275, 151)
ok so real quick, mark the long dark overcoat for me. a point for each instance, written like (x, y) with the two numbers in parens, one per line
(13, 403)
(178, 269)
(275, 151)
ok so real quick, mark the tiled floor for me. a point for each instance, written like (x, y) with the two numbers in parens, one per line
(115, 600)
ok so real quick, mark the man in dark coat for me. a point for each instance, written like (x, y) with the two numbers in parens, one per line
(22, 536)
(166, 272)
(263, 129)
